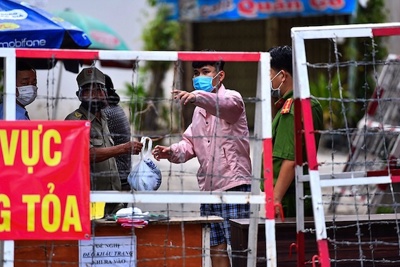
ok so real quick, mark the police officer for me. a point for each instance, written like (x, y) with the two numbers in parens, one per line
(103, 168)
(283, 131)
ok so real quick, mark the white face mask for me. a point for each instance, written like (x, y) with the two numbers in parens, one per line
(27, 94)
(276, 92)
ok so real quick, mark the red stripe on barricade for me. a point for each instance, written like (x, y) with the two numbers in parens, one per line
(217, 56)
(57, 53)
(301, 249)
(298, 137)
(393, 172)
(386, 31)
(395, 178)
(309, 134)
(268, 180)
(324, 260)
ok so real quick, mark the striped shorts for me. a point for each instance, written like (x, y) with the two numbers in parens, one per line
(221, 232)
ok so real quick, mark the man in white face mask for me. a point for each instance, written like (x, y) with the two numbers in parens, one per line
(26, 90)
(283, 133)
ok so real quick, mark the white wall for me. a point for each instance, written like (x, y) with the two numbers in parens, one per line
(393, 15)
(127, 18)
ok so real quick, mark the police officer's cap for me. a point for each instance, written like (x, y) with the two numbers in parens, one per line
(90, 75)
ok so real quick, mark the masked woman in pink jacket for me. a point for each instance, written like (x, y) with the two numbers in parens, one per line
(219, 138)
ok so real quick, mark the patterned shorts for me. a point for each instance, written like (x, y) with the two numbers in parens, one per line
(221, 232)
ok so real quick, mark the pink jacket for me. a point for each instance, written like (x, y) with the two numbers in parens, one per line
(219, 138)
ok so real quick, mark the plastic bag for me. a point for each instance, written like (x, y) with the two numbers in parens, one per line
(145, 175)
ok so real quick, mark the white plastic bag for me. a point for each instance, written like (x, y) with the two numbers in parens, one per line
(145, 175)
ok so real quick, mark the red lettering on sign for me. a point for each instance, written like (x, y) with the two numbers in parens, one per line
(249, 8)
(325, 4)
(295, 6)
(280, 6)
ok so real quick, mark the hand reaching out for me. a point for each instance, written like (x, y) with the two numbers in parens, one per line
(183, 96)
(133, 147)
(279, 211)
(161, 152)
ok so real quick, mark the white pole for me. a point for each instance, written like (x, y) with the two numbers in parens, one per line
(55, 108)
(7, 247)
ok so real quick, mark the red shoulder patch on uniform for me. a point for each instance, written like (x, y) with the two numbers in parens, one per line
(286, 106)
(279, 103)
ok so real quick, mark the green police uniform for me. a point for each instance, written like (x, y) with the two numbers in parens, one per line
(283, 146)
(103, 175)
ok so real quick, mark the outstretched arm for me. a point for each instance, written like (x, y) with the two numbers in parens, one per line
(228, 106)
(103, 153)
(161, 152)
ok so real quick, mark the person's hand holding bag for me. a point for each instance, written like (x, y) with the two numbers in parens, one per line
(145, 175)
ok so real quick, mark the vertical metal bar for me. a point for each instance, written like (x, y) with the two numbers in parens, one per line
(255, 183)
(9, 111)
(302, 92)
(9, 61)
(266, 133)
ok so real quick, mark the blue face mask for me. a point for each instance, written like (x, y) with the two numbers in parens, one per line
(204, 83)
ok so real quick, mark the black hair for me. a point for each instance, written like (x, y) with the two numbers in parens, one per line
(219, 65)
(108, 82)
(112, 96)
(22, 65)
(281, 58)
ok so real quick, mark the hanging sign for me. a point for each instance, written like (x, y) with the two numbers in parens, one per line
(116, 251)
(208, 10)
(44, 180)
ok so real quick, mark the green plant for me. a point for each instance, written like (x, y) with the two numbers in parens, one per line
(160, 34)
(137, 104)
(357, 82)
(361, 81)
(328, 92)
(384, 210)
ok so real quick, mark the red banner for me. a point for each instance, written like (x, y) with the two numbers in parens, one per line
(44, 180)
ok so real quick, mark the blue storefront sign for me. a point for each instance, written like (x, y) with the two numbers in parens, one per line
(209, 10)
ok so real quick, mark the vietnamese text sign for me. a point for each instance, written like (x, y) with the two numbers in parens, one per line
(44, 180)
(206, 10)
(108, 251)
